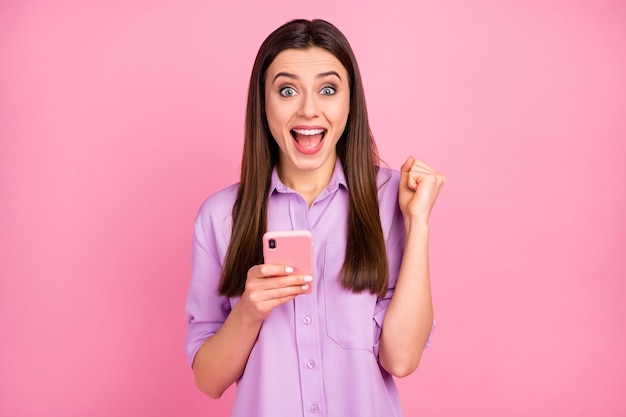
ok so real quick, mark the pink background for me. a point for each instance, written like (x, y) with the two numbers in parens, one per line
(118, 118)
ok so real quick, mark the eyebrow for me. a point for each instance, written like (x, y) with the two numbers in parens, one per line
(295, 77)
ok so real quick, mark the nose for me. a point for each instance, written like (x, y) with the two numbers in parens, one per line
(309, 107)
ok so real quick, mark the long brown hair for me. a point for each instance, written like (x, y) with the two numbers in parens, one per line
(365, 265)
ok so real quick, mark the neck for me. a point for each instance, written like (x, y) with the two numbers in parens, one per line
(307, 183)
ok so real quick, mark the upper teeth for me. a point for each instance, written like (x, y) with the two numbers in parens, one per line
(309, 131)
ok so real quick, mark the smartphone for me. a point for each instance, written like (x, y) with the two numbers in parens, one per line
(290, 247)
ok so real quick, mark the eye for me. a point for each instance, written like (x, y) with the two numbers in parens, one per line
(287, 92)
(327, 91)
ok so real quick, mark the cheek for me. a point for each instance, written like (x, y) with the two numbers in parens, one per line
(276, 113)
(340, 113)
(273, 117)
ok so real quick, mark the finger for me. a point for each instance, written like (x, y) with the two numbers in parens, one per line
(277, 293)
(283, 292)
(421, 171)
(302, 281)
(427, 181)
(413, 169)
(269, 270)
(418, 163)
(264, 283)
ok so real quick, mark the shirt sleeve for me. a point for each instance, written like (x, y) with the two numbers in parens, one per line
(383, 302)
(393, 227)
(205, 310)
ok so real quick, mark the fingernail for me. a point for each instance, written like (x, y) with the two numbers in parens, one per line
(289, 270)
(305, 287)
(308, 278)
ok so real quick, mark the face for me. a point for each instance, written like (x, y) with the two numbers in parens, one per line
(307, 101)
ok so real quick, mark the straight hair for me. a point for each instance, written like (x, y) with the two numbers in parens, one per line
(365, 264)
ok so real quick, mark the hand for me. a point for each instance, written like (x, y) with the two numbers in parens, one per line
(419, 189)
(269, 286)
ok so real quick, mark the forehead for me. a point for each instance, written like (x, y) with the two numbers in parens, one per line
(314, 60)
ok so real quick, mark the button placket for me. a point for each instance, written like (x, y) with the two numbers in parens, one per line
(307, 332)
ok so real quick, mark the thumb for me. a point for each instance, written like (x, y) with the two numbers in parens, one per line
(406, 167)
(405, 178)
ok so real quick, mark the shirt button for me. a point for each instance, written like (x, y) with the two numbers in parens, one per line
(307, 320)
(315, 409)
(310, 364)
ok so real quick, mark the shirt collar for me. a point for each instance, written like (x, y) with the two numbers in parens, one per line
(338, 178)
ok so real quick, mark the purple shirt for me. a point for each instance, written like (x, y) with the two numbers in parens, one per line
(318, 354)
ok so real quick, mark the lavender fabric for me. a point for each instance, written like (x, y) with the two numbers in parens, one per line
(318, 354)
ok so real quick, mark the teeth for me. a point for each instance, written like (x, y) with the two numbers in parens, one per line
(309, 132)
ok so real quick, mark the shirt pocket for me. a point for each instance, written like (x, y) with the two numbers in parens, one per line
(349, 315)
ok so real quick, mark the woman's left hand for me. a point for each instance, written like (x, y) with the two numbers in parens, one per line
(419, 189)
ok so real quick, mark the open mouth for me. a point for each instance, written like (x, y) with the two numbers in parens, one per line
(308, 139)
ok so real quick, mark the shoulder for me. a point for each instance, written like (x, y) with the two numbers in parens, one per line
(218, 206)
(390, 214)
(388, 181)
(224, 198)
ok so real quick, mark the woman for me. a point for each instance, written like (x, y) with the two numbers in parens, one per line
(329, 344)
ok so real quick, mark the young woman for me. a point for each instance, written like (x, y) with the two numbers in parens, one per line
(327, 344)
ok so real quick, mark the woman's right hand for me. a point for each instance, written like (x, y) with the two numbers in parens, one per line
(222, 358)
(269, 286)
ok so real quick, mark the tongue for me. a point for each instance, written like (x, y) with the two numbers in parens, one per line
(309, 141)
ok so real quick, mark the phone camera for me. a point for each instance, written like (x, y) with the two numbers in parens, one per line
(272, 244)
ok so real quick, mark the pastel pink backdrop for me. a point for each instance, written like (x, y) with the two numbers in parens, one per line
(118, 118)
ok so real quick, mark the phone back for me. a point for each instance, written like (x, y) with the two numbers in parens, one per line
(290, 247)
